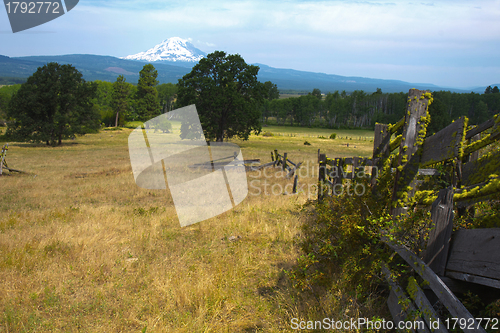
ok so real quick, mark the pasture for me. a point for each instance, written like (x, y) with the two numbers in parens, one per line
(83, 249)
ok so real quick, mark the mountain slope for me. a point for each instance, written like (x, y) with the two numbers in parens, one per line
(13, 67)
(95, 67)
(300, 80)
(174, 49)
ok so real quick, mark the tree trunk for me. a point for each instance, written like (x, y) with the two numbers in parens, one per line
(116, 120)
(59, 141)
(220, 136)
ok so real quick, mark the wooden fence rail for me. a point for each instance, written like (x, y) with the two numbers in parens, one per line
(285, 163)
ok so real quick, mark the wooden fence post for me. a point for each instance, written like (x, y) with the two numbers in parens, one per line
(284, 161)
(355, 162)
(408, 161)
(462, 209)
(380, 151)
(272, 157)
(436, 253)
(2, 156)
(339, 165)
(321, 176)
(295, 180)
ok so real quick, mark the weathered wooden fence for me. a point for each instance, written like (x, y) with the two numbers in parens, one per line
(3, 162)
(467, 255)
(286, 165)
(2, 157)
(227, 161)
(333, 172)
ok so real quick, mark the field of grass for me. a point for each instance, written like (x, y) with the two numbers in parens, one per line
(83, 249)
(291, 140)
(282, 96)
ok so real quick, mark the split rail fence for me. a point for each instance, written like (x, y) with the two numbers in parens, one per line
(450, 258)
(286, 165)
(3, 162)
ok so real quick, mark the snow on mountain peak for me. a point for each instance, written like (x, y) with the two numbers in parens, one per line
(171, 49)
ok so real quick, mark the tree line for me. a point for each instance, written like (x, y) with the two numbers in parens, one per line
(362, 110)
(56, 103)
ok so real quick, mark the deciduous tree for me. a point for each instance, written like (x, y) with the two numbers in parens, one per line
(102, 101)
(166, 96)
(54, 104)
(227, 95)
(271, 90)
(317, 93)
(6, 93)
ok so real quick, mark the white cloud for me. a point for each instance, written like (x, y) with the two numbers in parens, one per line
(375, 20)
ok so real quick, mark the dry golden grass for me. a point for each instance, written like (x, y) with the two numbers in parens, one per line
(83, 249)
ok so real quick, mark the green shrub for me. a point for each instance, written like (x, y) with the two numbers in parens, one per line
(341, 241)
(161, 124)
(306, 143)
(333, 136)
(485, 214)
(133, 124)
(267, 134)
(107, 116)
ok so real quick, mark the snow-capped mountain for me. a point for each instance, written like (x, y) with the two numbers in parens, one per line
(172, 49)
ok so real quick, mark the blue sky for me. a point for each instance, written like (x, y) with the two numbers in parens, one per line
(447, 43)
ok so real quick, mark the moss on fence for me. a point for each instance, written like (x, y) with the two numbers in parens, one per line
(341, 242)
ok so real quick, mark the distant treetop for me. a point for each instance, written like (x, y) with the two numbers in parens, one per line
(490, 90)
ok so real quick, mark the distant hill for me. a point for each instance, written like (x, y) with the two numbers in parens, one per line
(12, 67)
(7, 81)
(93, 67)
(107, 68)
(480, 90)
(290, 79)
